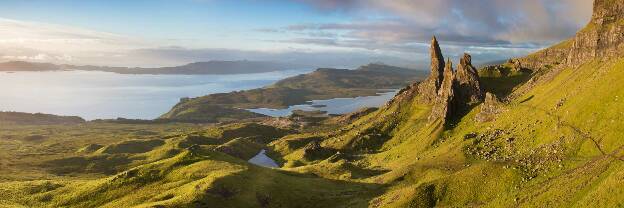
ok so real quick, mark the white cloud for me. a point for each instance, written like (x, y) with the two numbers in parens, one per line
(34, 41)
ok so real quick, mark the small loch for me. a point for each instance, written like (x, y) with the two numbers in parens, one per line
(332, 106)
(262, 159)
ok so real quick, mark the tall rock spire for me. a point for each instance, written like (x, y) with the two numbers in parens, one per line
(428, 89)
(469, 89)
(437, 62)
(449, 91)
(444, 105)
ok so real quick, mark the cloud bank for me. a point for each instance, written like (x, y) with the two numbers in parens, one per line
(493, 29)
(491, 22)
(396, 32)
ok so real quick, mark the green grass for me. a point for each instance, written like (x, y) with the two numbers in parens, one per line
(557, 145)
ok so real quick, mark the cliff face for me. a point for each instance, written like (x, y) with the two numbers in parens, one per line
(602, 38)
(607, 11)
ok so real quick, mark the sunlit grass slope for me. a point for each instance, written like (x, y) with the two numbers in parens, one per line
(558, 145)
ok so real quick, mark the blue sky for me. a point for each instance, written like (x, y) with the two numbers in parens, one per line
(202, 21)
(317, 32)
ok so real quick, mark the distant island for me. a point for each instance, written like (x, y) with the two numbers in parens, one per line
(209, 67)
(18, 118)
(324, 83)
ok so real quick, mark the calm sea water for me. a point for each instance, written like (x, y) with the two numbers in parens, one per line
(93, 95)
(105, 95)
(332, 106)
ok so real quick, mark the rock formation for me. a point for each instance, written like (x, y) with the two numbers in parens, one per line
(449, 92)
(445, 103)
(490, 108)
(428, 89)
(468, 86)
(602, 38)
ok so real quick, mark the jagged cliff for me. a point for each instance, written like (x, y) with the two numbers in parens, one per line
(602, 38)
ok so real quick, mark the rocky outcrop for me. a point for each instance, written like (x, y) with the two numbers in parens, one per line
(607, 11)
(489, 109)
(601, 39)
(448, 91)
(468, 86)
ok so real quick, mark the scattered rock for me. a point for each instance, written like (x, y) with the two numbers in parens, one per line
(470, 136)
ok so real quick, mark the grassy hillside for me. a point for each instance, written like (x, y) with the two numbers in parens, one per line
(553, 140)
(549, 147)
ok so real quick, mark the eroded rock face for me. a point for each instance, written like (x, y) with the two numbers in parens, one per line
(604, 35)
(429, 88)
(445, 103)
(607, 11)
(601, 39)
(468, 86)
(448, 91)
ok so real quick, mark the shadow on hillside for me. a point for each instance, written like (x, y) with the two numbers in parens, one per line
(502, 86)
(279, 188)
(459, 115)
(527, 99)
(103, 164)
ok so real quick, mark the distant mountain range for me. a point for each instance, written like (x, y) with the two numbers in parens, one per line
(209, 67)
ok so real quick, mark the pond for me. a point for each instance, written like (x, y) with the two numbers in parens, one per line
(332, 106)
(262, 159)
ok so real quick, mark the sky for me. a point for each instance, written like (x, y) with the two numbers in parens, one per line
(319, 33)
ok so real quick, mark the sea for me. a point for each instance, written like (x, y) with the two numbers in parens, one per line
(106, 95)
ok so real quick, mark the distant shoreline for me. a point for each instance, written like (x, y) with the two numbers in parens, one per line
(196, 68)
